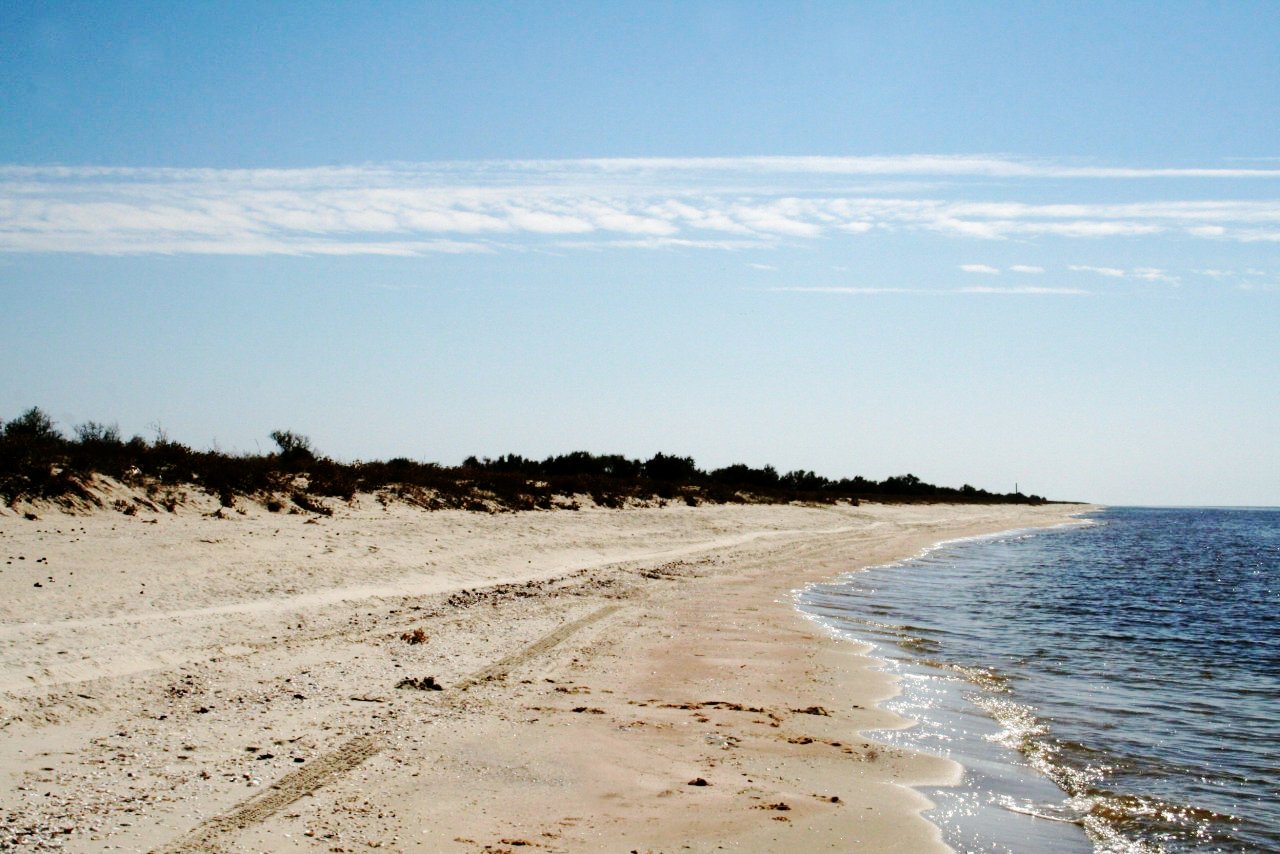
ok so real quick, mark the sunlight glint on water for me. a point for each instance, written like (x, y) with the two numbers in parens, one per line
(1133, 663)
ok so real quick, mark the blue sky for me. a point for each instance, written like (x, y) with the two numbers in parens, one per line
(983, 243)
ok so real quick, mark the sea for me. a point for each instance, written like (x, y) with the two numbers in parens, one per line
(1108, 686)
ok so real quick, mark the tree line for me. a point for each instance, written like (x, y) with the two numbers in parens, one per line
(37, 461)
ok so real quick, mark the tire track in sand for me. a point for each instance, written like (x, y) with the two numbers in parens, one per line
(504, 666)
(334, 764)
(285, 791)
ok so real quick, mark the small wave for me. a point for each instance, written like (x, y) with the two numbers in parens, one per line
(983, 677)
(1066, 812)
(1132, 662)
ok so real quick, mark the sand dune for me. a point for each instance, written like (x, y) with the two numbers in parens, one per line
(569, 680)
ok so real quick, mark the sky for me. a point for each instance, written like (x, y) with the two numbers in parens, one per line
(998, 244)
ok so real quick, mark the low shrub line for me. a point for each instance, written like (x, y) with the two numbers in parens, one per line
(39, 462)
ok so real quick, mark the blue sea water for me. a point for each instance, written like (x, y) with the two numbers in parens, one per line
(1112, 686)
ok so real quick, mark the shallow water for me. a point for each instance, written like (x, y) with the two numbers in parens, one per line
(1120, 678)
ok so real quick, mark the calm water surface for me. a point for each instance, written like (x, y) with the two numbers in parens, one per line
(1108, 687)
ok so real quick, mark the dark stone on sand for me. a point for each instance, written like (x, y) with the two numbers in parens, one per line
(426, 683)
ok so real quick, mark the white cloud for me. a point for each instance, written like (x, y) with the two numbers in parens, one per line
(1088, 228)
(1110, 272)
(851, 291)
(980, 268)
(661, 243)
(912, 164)
(855, 291)
(856, 227)
(1152, 274)
(641, 203)
(1027, 291)
(970, 228)
(546, 222)
(772, 220)
(1146, 274)
(762, 266)
(112, 245)
(1026, 268)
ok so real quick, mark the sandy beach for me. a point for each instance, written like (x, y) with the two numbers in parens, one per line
(387, 677)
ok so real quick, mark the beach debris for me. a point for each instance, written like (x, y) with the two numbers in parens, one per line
(780, 806)
(589, 710)
(813, 710)
(417, 636)
(698, 781)
(426, 683)
(722, 741)
(714, 704)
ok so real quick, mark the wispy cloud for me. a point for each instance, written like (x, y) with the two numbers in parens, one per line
(1027, 291)
(1146, 274)
(1153, 274)
(1015, 291)
(914, 164)
(1109, 272)
(980, 268)
(1251, 272)
(654, 203)
(1027, 268)
(1248, 279)
(851, 290)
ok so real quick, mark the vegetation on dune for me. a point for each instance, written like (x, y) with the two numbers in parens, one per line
(38, 462)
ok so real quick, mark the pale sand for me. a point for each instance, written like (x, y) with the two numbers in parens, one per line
(161, 685)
